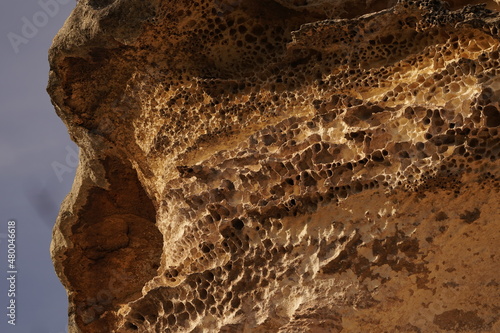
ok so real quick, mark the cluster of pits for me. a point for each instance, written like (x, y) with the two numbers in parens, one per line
(354, 107)
(298, 117)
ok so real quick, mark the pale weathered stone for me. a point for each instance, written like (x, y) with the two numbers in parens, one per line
(280, 166)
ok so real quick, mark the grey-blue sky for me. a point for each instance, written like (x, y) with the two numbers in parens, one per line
(31, 139)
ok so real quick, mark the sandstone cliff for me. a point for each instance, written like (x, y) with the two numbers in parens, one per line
(280, 165)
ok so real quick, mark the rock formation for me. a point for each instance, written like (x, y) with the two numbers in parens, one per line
(280, 165)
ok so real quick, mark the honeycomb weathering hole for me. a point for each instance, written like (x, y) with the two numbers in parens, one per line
(117, 248)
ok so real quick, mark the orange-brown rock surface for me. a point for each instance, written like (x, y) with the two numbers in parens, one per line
(280, 165)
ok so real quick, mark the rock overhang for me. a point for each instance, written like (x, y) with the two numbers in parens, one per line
(245, 163)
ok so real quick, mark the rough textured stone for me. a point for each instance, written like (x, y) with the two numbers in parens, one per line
(280, 166)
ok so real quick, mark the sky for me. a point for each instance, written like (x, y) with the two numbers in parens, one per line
(34, 144)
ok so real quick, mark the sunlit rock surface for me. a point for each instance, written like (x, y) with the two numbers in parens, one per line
(280, 166)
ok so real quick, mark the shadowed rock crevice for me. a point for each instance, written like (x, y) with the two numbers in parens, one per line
(118, 248)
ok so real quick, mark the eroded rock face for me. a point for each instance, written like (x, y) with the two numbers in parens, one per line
(280, 166)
